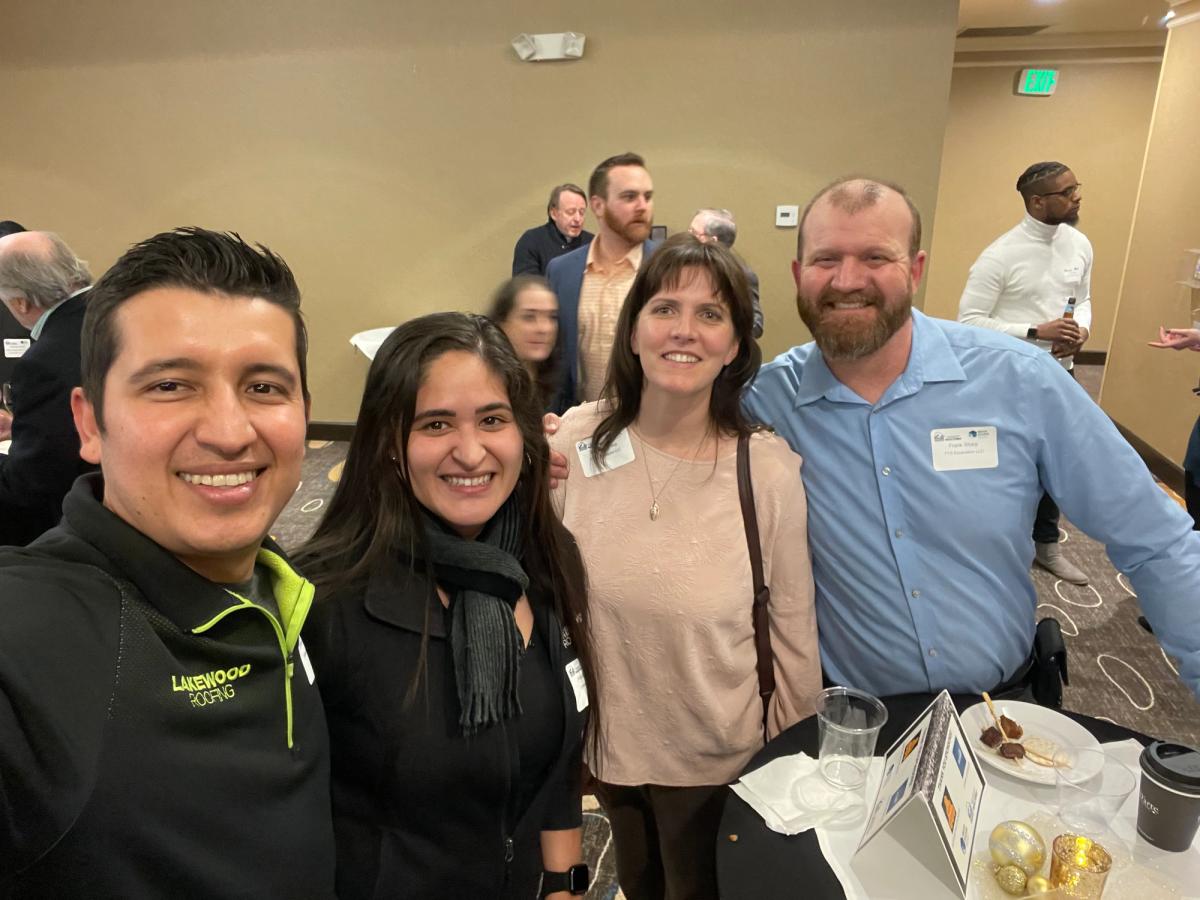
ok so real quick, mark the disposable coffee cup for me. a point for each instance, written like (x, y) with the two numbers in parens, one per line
(1169, 801)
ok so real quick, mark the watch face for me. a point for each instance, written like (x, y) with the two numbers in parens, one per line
(577, 878)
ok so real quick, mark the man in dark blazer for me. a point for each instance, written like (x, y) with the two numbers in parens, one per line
(44, 285)
(711, 224)
(591, 282)
(562, 232)
(16, 338)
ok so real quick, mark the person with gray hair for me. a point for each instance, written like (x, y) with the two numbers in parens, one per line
(44, 285)
(711, 224)
(15, 338)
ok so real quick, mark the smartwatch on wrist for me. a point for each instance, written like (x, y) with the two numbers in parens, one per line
(1031, 334)
(574, 881)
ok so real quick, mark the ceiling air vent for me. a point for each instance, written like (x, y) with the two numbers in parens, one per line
(1004, 31)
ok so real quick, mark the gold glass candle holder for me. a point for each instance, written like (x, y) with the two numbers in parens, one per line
(1079, 867)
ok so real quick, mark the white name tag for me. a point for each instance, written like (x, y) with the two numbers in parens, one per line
(620, 453)
(967, 447)
(305, 661)
(1072, 273)
(14, 348)
(578, 684)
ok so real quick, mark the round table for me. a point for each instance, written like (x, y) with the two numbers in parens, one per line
(761, 864)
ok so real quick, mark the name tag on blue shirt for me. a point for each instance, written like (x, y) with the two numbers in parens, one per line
(620, 452)
(966, 447)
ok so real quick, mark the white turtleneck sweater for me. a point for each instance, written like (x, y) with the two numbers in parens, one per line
(1025, 277)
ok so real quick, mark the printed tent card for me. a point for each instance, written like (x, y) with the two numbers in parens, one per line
(923, 820)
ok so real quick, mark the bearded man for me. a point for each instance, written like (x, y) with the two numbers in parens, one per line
(927, 445)
(591, 282)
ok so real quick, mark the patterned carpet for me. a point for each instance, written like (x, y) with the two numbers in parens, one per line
(1118, 671)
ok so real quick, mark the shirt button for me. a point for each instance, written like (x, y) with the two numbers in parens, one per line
(887, 470)
(932, 652)
(899, 533)
(916, 594)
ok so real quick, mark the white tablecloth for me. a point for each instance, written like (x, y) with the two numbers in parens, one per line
(1140, 871)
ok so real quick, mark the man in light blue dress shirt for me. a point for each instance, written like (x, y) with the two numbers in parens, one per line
(927, 445)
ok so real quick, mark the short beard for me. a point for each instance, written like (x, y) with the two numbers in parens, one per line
(850, 341)
(1072, 219)
(633, 232)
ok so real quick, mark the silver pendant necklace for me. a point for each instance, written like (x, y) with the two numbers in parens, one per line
(655, 509)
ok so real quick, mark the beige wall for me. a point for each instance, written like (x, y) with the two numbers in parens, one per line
(1096, 122)
(393, 151)
(1147, 390)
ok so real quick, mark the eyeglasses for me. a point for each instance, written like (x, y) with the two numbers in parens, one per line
(1072, 191)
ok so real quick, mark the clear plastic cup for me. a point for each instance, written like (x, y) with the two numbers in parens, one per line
(1091, 789)
(848, 723)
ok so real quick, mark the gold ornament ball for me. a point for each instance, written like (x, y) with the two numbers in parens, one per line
(1015, 843)
(1011, 880)
(1038, 885)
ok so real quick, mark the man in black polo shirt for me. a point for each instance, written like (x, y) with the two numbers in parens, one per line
(562, 233)
(160, 728)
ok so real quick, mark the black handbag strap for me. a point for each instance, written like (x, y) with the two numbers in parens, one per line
(762, 594)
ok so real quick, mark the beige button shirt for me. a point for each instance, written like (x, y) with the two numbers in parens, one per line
(601, 296)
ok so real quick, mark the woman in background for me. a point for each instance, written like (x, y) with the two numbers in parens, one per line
(450, 632)
(657, 515)
(526, 310)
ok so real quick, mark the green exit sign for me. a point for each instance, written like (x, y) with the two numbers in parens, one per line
(1037, 82)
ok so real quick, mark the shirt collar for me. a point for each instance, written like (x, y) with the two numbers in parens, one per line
(931, 359)
(633, 257)
(1039, 231)
(555, 233)
(36, 331)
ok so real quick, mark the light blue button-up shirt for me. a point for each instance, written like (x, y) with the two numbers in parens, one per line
(923, 576)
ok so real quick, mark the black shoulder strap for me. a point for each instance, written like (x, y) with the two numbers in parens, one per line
(762, 593)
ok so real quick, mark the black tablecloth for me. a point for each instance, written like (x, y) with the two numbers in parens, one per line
(761, 865)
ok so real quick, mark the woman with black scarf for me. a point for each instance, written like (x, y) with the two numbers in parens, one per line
(450, 635)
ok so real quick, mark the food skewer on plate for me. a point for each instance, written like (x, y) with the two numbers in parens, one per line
(1004, 736)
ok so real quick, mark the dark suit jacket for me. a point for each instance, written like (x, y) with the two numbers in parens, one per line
(565, 275)
(44, 461)
(9, 328)
(537, 246)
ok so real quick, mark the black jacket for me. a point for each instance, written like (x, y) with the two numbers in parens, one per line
(44, 460)
(155, 739)
(419, 811)
(537, 246)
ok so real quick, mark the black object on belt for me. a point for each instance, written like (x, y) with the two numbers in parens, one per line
(1044, 671)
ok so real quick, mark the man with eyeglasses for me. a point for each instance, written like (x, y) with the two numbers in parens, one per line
(1034, 282)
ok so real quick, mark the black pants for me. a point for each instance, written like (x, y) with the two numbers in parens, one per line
(665, 838)
(1045, 523)
(1191, 476)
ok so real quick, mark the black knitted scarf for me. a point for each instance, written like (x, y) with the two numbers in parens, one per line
(486, 580)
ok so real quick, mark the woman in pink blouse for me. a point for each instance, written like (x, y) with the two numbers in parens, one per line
(652, 499)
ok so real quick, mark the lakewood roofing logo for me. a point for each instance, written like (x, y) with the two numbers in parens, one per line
(208, 680)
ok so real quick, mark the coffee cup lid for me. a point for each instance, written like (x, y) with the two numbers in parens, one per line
(1173, 763)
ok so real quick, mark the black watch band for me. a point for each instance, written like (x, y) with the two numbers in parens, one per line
(1031, 334)
(574, 881)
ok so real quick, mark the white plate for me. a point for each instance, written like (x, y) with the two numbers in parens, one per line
(1038, 722)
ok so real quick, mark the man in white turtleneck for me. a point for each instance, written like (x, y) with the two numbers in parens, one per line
(1022, 285)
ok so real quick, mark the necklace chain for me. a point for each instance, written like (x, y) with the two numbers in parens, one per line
(655, 509)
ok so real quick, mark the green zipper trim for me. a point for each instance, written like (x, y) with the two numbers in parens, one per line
(294, 595)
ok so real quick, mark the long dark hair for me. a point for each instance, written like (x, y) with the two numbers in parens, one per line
(666, 268)
(374, 514)
(549, 375)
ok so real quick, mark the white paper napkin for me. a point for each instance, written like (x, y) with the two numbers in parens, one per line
(791, 796)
